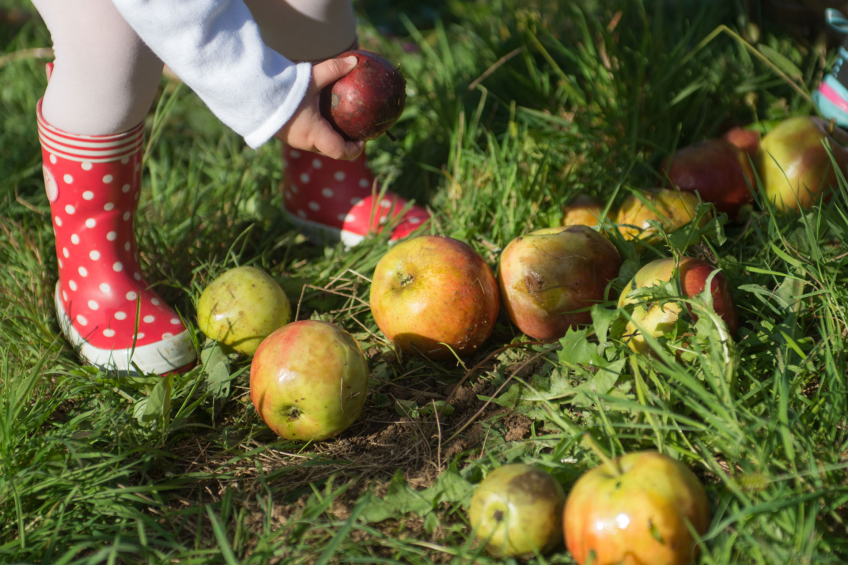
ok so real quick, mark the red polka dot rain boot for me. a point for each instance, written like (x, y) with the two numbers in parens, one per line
(105, 307)
(338, 200)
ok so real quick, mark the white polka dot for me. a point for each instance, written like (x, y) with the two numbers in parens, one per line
(111, 236)
(293, 188)
(65, 252)
(131, 295)
(108, 178)
(87, 195)
(120, 315)
(154, 301)
(364, 183)
(93, 305)
(339, 176)
(384, 220)
(149, 319)
(414, 220)
(82, 321)
(127, 246)
(61, 265)
(125, 160)
(355, 201)
(75, 239)
(105, 288)
(118, 267)
(72, 285)
(342, 217)
(167, 335)
(64, 296)
(83, 272)
(126, 216)
(304, 178)
(314, 206)
(109, 332)
(86, 166)
(294, 153)
(139, 335)
(317, 163)
(137, 276)
(327, 192)
(125, 188)
(301, 213)
(95, 255)
(108, 206)
(52, 158)
(350, 218)
(58, 221)
(288, 195)
(90, 223)
(69, 209)
(175, 321)
(386, 203)
(68, 179)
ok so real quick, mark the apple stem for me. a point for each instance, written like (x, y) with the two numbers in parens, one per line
(601, 455)
(389, 134)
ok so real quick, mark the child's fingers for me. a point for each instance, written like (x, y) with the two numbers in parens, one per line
(332, 70)
(330, 143)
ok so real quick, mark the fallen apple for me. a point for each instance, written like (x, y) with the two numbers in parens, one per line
(636, 509)
(673, 209)
(659, 319)
(309, 380)
(793, 163)
(433, 295)
(241, 308)
(717, 170)
(517, 511)
(363, 104)
(745, 139)
(546, 276)
(584, 211)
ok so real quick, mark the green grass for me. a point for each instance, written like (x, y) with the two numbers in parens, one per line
(95, 469)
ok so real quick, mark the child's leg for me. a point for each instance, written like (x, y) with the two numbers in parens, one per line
(89, 125)
(331, 200)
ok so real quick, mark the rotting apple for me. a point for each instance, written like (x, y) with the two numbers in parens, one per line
(546, 276)
(242, 307)
(658, 319)
(433, 295)
(672, 208)
(794, 166)
(747, 140)
(309, 380)
(366, 102)
(635, 509)
(517, 510)
(717, 170)
(584, 210)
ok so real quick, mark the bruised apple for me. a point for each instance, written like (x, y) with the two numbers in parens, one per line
(717, 170)
(659, 319)
(433, 295)
(548, 275)
(518, 511)
(309, 380)
(363, 104)
(636, 509)
(672, 208)
(584, 210)
(793, 163)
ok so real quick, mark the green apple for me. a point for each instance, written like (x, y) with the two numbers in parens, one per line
(309, 380)
(793, 163)
(659, 319)
(549, 274)
(636, 509)
(517, 511)
(673, 209)
(241, 308)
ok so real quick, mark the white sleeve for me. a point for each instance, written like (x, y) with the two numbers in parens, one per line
(215, 47)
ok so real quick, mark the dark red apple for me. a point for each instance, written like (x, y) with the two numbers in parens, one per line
(363, 104)
(716, 169)
(747, 140)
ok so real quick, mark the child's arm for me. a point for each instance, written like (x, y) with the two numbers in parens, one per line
(215, 47)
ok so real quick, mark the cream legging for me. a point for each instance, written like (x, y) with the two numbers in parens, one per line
(105, 77)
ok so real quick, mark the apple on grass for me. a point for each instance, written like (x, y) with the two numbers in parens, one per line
(636, 509)
(584, 210)
(434, 294)
(794, 166)
(658, 319)
(546, 276)
(745, 139)
(673, 209)
(242, 307)
(517, 511)
(309, 380)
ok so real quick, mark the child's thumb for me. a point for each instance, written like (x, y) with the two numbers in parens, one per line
(332, 70)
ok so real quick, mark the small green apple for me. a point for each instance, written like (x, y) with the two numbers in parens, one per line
(241, 308)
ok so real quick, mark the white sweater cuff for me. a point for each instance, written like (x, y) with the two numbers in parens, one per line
(286, 110)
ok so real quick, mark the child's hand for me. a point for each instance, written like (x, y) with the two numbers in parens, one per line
(307, 129)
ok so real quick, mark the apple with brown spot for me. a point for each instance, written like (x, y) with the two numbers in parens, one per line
(548, 275)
